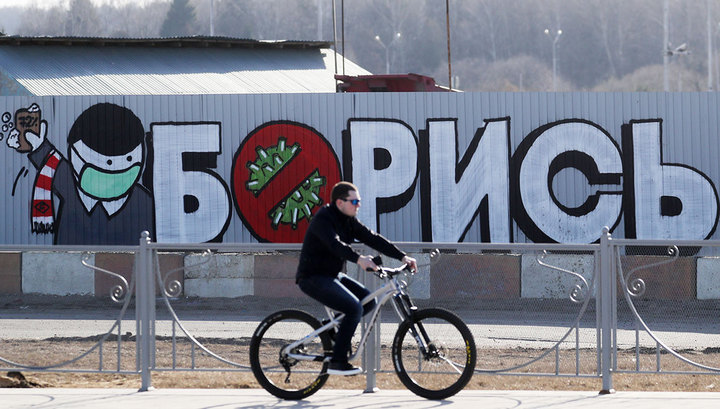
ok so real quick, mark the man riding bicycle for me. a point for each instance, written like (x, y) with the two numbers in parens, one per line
(325, 249)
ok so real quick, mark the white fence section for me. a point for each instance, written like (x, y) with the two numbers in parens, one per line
(588, 311)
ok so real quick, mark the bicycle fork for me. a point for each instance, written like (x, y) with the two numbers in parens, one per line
(407, 310)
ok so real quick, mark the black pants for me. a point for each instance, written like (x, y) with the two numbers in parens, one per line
(341, 294)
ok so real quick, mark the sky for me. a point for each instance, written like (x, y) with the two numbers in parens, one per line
(9, 22)
(53, 3)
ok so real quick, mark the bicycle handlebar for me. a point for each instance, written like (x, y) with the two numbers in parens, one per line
(390, 272)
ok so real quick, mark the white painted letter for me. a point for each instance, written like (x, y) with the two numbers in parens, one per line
(458, 186)
(671, 201)
(551, 149)
(190, 206)
(384, 164)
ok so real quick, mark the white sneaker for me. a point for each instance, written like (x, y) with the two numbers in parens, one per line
(343, 368)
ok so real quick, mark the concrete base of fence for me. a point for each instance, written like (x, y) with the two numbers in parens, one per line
(467, 276)
(57, 273)
(10, 273)
(672, 281)
(476, 276)
(708, 278)
(219, 275)
(540, 281)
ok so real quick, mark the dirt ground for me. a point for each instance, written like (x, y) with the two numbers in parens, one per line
(216, 375)
(36, 352)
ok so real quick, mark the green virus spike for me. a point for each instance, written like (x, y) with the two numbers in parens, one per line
(299, 204)
(269, 162)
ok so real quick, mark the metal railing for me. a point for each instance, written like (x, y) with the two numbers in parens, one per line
(581, 311)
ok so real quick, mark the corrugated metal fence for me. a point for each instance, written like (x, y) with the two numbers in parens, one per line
(497, 167)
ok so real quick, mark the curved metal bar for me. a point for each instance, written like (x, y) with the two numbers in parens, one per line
(182, 327)
(644, 325)
(578, 293)
(119, 291)
(636, 287)
(575, 326)
(174, 287)
(102, 340)
(435, 255)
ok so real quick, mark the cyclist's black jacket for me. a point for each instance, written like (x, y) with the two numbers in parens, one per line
(327, 241)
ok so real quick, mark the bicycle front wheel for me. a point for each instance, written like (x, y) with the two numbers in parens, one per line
(444, 364)
(284, 376)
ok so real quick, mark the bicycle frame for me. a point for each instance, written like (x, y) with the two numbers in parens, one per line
(433, 351)
(391, 288)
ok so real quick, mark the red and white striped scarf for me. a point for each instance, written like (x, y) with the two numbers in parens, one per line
(41, 209)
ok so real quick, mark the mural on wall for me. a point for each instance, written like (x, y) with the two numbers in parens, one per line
(282, 173)
(100, 199)
(562, 183)
(462, 189)
(488, 184)
(113, 182)
(545, 153)
(192, 202)
(382, 157)
(671, 199)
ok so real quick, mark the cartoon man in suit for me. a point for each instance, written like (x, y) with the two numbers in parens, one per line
(100, 198)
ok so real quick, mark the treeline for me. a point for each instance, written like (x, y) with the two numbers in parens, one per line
(496, 45)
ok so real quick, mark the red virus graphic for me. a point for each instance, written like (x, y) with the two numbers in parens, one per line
(282, 174)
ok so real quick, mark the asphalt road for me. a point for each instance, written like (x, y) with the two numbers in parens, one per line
(494, 329)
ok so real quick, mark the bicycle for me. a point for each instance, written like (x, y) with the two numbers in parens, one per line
(433, 350)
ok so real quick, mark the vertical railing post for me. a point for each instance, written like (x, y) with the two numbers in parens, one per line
(370, 356)
(605, 297)
(144, 300)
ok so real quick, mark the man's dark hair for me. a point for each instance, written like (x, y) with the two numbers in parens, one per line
(341, 190)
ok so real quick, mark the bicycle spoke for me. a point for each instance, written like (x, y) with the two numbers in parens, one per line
(445, 365)
(453, 365)
(288, 376)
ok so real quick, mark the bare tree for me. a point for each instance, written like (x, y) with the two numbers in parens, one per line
(132, 20)
(603, 41)
(518, 73)
(234, 19)
(180, 20)
(81, 19)
(42, 22)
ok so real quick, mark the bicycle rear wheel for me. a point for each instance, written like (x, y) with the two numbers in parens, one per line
(447, 365)
(283, 376)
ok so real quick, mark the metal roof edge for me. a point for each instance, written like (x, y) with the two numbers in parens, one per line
(10, 83)
(192, 41)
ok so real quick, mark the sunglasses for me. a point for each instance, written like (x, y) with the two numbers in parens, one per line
(354, 202)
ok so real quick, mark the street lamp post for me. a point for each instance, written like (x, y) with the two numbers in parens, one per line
(666, 45)
(668, 50)
(671, 52)
(387, 49)
(708, 9)
(554, 39)
(212, 18)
